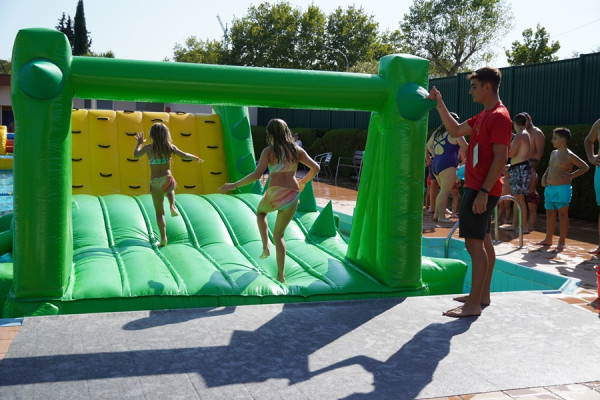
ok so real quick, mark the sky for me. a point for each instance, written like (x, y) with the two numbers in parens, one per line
(149, 29)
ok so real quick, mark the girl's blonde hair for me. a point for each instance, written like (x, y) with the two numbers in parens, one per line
(162, 146)
(282, 141)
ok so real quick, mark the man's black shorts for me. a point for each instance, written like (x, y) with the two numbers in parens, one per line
(474, 226)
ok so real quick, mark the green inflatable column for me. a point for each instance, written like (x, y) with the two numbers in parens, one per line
(237, 140)
(42, 103)
(387, 226)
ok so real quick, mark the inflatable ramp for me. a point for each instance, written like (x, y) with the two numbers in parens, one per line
(211, 259)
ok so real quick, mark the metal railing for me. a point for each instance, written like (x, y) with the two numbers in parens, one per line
(505, 197)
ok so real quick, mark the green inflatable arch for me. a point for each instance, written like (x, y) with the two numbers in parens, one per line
(54, 231)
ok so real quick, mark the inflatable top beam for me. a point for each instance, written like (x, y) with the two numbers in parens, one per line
(386, 233)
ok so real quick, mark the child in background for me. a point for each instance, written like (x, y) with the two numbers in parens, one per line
(557, 186)
(162, 182)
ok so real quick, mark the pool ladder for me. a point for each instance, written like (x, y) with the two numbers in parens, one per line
(505, 197)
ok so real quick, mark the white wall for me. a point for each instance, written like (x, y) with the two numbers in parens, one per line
(5, 96)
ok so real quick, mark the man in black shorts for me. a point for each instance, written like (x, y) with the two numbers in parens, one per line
(490, 132)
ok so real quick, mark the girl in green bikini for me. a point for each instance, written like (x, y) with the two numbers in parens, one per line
(162, 182)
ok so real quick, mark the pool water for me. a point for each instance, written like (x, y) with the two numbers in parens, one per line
(6, 192)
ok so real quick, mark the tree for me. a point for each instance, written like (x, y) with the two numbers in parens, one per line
(5, 67)
(82, 41)
(201, 52)
(281, 36)
(266, 37)
(354, 33)
(455, 34)
(65, 25)
(534, 49)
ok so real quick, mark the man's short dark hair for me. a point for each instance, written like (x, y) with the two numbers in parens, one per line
(563, 132)
(521, 120)
(489, 75)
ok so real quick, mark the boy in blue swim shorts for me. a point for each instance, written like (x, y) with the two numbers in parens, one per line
(557, 186)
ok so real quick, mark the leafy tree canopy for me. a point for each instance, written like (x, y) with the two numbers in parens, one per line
(454, 35)
(534, 49)
(5, 67)
(282, 36)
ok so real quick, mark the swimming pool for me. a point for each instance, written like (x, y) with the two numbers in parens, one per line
(6, 189)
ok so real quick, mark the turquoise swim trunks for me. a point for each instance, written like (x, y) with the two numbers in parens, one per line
(557, 197)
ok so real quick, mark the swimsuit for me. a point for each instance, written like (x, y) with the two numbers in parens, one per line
(278, 198)
(557, 196)
(159, 161)
(448, 158)
(165, 183)
(520, 177)
(291, 167)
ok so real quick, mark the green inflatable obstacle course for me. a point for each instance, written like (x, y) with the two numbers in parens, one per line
(89, 252)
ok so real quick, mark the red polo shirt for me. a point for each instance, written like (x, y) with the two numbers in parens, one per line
(487, 127)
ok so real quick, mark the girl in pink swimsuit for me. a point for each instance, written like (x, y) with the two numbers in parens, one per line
(281, 157)
(162, 182)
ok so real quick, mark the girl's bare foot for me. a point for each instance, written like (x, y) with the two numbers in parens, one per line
(265, 254)
(560, 247)
(162, 243)
(281, 278)
(174, 212)
(544, 243)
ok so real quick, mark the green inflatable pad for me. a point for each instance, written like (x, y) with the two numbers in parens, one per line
(212, 259)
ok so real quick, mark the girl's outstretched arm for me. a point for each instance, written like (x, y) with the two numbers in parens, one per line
(263, 163)
(183, 154)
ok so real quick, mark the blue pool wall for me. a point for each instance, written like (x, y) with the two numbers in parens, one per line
(508, 276)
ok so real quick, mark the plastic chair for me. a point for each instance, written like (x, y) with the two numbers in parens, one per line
(355, 163)
(323, 160)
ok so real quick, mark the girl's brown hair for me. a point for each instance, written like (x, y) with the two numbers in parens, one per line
(282, 141)
(162, 146)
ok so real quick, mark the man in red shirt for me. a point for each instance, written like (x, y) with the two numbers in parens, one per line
(490, 132)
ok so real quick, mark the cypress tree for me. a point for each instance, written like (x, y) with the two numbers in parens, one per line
(82, 41)
(65, 25)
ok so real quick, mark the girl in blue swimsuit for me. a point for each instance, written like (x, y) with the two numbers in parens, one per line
(162, 182)
(281, 157)
(444, 149)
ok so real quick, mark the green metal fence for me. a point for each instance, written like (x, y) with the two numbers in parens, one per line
(565, 92)
(562, 92)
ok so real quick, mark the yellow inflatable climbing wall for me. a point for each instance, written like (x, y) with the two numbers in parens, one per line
(104, 140)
